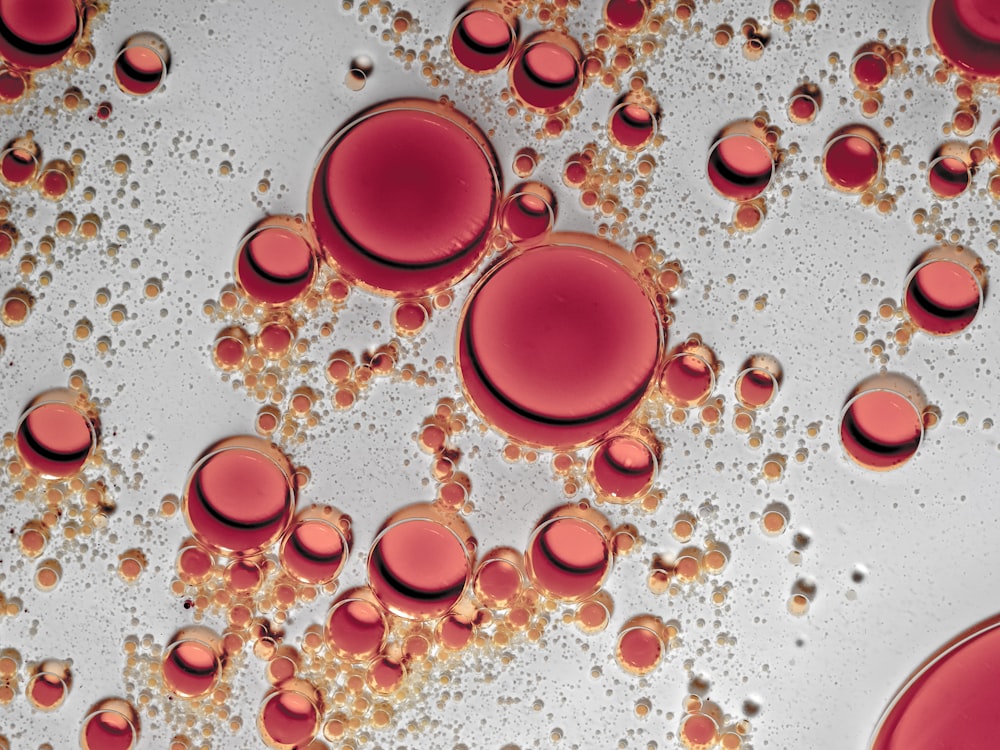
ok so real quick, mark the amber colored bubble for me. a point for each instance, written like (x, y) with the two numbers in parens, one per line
(498, 581)
(409, 318)
(190, 667)
(568, 558)
(881, 429)
(356, 629)
(194, 563)
(288, 719)
(16, 307)
(622, 467)
(454, 632)
(418, 568)
(238, 498)
(55, 439)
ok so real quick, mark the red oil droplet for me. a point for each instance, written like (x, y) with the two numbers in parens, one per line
(356, 629)
(46, 690)
(687, 380)
(802, 109)
(404, 198)
(950, 701)
(141, 65)
(418, 568)
(881, 429)
(622, 467)
(966, 34)
(783, 10)
(482, 41)
(558, 345)
(632, 126)
(942, 297)
(528, 212)
(568, 558)
(37, 33)
(18, 166)
(625, 15)
(852, 160)
(13, 84)
(108, 729)
(949, 177)
(545, 75)
(238, 498)
(699, 732)
(288, 719)
(498, 582)
(55, 439)
(870, 70)
(190, 667)
(740, 167)
(314, 551)
(755, 388)
(275, 265)
(639, 649)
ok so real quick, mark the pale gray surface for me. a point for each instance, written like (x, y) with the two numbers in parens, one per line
(267, 80)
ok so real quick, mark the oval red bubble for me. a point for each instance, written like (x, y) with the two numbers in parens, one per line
(404, 198)
(55, 440)
(558, 345)
(966, 34)
(881, 429)
(37, 33)
(950, 701)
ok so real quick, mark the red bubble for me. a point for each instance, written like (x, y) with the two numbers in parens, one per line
(881, 429)
(37, 33)
(55, 440)
(558, 345)
(404, 198)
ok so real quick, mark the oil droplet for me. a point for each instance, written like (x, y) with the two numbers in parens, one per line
(142, 64)
(38, 34)
(357, 74)
(48, 575)
(967, 36)
(881, 427)
(688, 376)
(569, 553)
(112, 724)
(405, 578)
(528, 213)
(558, 344)
(49, 685)
(852, 158)
(545, 74)
(426, 224)
(55, 437)
(499, 579)
(192, 662)
(482, 38)
(356, 627)
(622, 467)
(640, 644)
(289, 718)
(740, 164)
(944, 291)
(239, 497)
(314, 549)
(275, 262)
